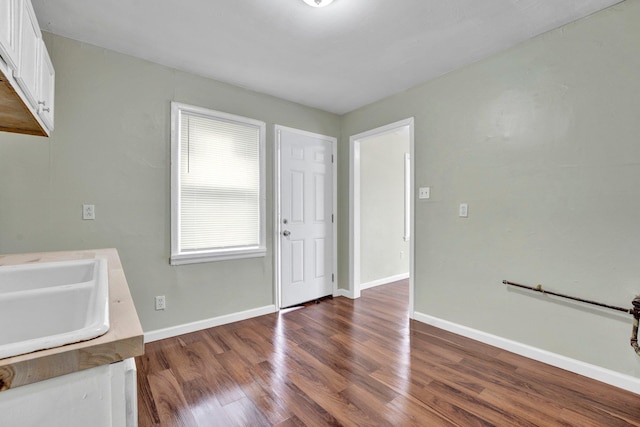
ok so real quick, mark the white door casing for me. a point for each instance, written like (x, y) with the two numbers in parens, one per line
(305, 216)
(354, 207)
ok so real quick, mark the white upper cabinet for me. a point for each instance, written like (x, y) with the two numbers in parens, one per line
(9, 34)
(27, 77)
(46, 87)
(27, 73)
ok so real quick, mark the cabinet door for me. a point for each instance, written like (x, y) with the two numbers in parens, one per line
(9, 34)
(46, 87)
(27, 74)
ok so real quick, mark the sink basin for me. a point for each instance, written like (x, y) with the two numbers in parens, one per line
(46, 305)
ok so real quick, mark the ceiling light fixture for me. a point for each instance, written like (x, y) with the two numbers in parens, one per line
(318, 3)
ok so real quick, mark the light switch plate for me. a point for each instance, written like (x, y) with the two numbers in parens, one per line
(424, 192)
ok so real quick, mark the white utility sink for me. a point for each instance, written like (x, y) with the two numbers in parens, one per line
(46, 305)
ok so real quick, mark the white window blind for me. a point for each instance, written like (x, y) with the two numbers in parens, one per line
(218, 166)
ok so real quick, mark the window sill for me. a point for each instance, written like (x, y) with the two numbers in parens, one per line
(211, 256)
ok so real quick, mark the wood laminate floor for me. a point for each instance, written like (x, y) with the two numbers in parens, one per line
(360, 363)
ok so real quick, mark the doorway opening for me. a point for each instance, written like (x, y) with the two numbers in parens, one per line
(361, 193)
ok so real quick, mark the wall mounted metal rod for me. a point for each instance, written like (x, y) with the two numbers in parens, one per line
(586, 301)
(635, 311)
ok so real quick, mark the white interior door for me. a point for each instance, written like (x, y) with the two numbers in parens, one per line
(306, 217)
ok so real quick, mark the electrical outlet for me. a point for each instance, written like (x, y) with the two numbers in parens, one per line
(463, 212)
(160, 302)
(88, 211)
(424, 192)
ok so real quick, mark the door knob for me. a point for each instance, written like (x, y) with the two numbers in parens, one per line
(286, 233)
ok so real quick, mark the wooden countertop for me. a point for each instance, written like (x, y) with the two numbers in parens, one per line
(123, 340)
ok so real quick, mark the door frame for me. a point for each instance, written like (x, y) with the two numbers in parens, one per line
(277, 214)
(354, 206)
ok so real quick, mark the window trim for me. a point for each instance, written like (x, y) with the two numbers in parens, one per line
(179, 257)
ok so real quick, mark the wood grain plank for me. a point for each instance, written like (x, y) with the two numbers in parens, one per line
(340, 408)
(205, 408)
(243, 413)
(267, 403)
(416, 413)
(173, 409)
(533, 410)
(291, 422)
(147, 411)
(306, 409)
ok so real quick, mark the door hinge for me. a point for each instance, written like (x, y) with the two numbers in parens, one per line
(332, 158)
(331, 218)
(333, 277)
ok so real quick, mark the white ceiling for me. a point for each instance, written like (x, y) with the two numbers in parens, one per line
(337, 58)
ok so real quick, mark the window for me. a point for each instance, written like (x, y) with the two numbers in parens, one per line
(217, 186)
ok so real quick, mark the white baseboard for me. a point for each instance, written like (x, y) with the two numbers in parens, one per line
(343, 293)
(174, 331)
(383, 281)
(598, 373)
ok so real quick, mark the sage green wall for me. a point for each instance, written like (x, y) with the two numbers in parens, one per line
(543, 142)
(384, 252)
(111, 148)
